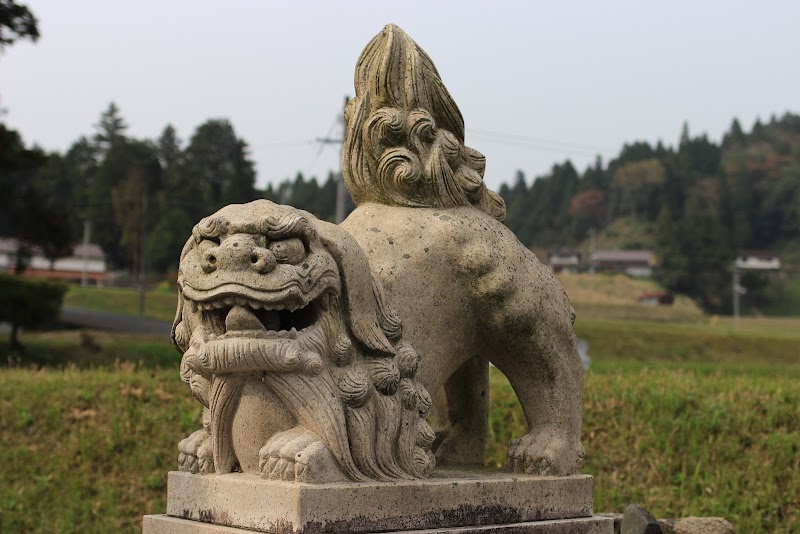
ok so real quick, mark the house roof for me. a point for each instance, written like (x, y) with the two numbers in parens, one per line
(624, 256)
(563, 251)
(754, 253)
(9, 245)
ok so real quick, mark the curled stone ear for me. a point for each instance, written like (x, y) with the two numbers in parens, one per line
(363, 308)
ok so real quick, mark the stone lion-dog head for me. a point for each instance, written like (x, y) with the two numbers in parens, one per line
(269, 295)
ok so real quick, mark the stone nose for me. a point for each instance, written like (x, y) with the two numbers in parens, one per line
(239, 253)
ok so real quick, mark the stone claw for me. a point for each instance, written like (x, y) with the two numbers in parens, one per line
(545, 453)
(298, 455)
(195, 454)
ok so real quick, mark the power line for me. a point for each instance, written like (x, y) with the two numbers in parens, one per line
(534, 142)
(280, 144)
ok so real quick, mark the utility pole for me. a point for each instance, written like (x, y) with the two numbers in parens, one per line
(737, 290)
(85, 253)
(591, 249)
(340, 186)
(142, 249)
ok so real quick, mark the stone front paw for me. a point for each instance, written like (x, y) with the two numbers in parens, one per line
(545, 453)
(195, 454)
(298, 455)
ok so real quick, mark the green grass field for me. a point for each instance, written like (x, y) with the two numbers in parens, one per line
(684, 418)
(158, 304)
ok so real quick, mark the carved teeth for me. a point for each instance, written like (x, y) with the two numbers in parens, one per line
(293, 333)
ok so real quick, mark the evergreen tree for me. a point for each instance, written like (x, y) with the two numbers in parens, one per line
(708, 255)
(110, 129)
(673, 270)
(128, 177)
(735, 135)
(217, 160)
(516, 199)
(30, 208)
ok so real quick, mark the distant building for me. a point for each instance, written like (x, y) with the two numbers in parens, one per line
(656, 297)
(757, 260)
(565, 260)
(69, 269)
(637, 263)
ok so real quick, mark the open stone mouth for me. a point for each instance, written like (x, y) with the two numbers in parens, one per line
(236, 316)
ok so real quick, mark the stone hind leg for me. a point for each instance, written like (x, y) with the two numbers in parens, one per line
(465, 420)
(528, 333)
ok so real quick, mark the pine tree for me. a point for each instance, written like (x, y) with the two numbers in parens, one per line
(218, 161)
(110, 129)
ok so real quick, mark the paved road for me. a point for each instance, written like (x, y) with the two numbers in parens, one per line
(113, 321)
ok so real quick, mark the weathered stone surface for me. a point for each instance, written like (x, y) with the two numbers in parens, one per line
(449, 498)
(163, 524)
(297, 359)
(637, 520)
(462, 283)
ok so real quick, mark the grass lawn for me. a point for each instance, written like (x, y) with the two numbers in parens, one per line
(158, 304)
(689, 418)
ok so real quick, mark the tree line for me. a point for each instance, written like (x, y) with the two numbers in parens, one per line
(695, 204)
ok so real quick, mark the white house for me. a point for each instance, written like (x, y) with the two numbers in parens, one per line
(565, 260)
(757, 260)
(89, 257)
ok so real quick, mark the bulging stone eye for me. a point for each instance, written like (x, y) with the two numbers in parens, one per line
(290, 250)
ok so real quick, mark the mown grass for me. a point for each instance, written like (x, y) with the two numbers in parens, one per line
(90, 348)
(703, 441)
(686, 419)
(88, 451)
(755, 341)
(158, 304)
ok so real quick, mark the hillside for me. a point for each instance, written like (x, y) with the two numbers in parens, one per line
(604, 296)
(696, 205)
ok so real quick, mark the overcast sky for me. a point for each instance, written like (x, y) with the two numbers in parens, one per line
(537, 82)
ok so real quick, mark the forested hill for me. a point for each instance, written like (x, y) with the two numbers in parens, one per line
(749, 182)
(695, 204)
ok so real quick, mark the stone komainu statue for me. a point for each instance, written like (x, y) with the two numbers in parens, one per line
(290, 344)
(467, 290)
(293, 352)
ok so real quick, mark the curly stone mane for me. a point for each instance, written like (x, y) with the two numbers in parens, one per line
(405, 140)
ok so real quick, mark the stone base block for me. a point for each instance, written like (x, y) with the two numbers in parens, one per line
(164, 524)
(451, 499)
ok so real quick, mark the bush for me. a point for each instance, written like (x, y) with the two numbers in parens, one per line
(29, 302)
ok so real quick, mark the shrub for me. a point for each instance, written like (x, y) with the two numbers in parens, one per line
(29, 302)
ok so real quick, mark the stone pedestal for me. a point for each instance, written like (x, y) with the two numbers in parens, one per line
(451, 500)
